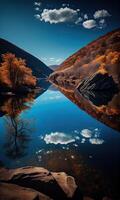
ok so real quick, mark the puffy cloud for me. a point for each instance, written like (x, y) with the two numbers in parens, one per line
(51, 60)
(83, 140)
(58, 138)
(85, 16)
(59, 60)
(78, 20)
(101, 14)
(65, 4)
(37, 16)
(54, 16)
(52, 96)
(91, 23)
(37, 3)
(86, 133)
(102, 23)
(66, 14)
(92, 136)
(96, 141)
(37, 8)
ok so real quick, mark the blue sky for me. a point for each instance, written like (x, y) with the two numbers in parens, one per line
(53, 30)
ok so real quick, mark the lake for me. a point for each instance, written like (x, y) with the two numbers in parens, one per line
(53, 132)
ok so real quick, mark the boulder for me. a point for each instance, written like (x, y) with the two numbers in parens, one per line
(10, 191)
(55, 185)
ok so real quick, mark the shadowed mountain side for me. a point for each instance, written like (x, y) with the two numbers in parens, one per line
(98, 98)
(98, 88)
(40, 70)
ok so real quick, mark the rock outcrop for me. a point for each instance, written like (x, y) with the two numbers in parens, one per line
(98, 82)
(98, 88)
(35, 183)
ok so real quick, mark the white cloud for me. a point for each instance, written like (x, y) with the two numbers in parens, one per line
(96, 129)
(54, 16)
(93, 136)
(55, 97)
(83, 140)
(65, 4)
(96, 141)
(58, 138)
(37, 16)
(66, 14)
(37, 3)
(86, 133)
(101, 14)
(76, 131)
(78, 20)
(52, 96)
(85, 16)
(91, 23)
(52, 60)
(59, 60)
(102, 23)
(37, 8)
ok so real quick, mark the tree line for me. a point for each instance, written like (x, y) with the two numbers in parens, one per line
(15, 75)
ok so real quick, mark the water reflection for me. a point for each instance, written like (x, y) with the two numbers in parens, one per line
(76, 137)
(65, 139)
(17, 137)
(99, 98)
(13, 105)
(105, 110)
(90, 180)
(17, 130)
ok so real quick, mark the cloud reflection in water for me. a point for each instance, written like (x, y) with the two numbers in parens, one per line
(92, 136)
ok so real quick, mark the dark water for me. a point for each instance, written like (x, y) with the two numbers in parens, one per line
(52, 132)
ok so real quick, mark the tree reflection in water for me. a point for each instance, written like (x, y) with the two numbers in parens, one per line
(17, 129)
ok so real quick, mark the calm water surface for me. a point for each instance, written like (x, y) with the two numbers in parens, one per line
(54, 133)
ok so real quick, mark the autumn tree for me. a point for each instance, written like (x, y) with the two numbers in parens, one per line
(14, 73)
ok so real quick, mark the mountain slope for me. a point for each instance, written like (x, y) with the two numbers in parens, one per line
(40, 70)
(100, 56)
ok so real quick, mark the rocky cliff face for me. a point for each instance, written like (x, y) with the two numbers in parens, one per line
(100, 56)
(98, 88)
(97, 82)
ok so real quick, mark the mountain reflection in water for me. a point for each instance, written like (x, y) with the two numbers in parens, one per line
(106, 110)
(51, 132)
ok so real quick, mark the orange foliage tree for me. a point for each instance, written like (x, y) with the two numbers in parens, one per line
(14, 73)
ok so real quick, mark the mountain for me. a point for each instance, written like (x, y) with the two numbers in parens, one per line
(53, 67)
(40, 70)
(101, 56)
(104, 108)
